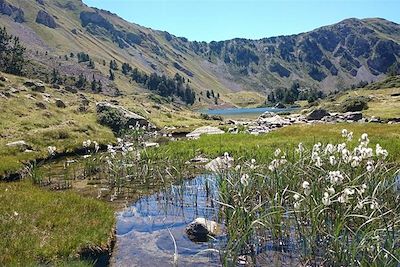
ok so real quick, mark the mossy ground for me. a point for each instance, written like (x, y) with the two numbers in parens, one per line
(39, 226)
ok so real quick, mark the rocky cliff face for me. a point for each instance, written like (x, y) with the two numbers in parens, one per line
(46, 19)
(17, 14)
(328, 58)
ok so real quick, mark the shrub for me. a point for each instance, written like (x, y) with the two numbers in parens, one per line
(112, 118)
(354, 104)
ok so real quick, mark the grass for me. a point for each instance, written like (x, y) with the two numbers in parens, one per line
(381, 104)
(261, 147)
(38, 226)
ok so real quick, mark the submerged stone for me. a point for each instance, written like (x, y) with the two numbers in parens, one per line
(200, 229)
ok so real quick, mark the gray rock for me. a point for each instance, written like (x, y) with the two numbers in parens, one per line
(3, 79)
(200, 229)
(36, 86)
(71, 89)
(46, 19)
(280, 105)
(267, 114)
(353, 116)
(22, 145)
(130, 117)
(374, 119)
(317, 114)
(60, 103)
(41, 105)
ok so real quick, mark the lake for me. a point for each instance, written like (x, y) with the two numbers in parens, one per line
(245, 112)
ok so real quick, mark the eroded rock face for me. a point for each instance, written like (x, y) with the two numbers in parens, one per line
(15, 12)
(46, 19)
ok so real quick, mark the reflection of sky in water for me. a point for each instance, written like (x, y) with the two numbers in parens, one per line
(143, 238)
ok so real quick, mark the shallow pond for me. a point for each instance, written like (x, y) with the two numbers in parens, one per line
(144, 229)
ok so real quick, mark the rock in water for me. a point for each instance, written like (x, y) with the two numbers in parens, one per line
(200, 229)
(317, 114)
(280, 105)
(46, 19)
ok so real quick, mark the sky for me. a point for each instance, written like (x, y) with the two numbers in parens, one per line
(216, 20)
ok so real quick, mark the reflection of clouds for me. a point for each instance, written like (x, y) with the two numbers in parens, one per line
(142, 229)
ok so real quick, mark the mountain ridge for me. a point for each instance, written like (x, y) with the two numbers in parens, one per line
(329, 58)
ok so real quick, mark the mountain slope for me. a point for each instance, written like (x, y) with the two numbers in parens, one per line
(328, 58)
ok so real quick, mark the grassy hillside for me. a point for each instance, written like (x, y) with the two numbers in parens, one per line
(329, 58)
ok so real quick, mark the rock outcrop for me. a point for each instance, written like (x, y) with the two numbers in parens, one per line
(14, 12)
(46, 19)
(317, 114)
(204, 130)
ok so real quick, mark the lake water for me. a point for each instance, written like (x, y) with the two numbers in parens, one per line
(245, 112)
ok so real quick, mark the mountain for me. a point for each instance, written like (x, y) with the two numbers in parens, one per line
(328, 58)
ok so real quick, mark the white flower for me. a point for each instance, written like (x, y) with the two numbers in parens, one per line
(326, 200)
(300, 148)
(244, 180)
(374, 205)
(237, 168)
(335, 177)
(331, 190)
(277, 152)
(329, 149)
(119, 140)
(344, 133)
(253, 161)
(96, 146)
(340, 147)
(356, 161)
(332, 160)
(346, 155)
(343, 198)
(317, 147)
(370, 166)
(306, 187)
(350, 136)
(380, 152)
(360, 205)
(318, 162)
(51, 150)
(363, 188)
(349, 191)
(296, 205)
(364, 137)
(296, 196)
(16, 213)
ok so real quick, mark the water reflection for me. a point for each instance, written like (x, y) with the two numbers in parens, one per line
(143, 238)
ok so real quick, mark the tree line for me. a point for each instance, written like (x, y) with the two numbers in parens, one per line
(161, 84)
(11, 53)
(294, 93)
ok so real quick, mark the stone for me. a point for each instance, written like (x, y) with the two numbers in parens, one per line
(317, 114)
(55, 86)
(200, 229)
(71, 89)
(60, 103)
(150, 144)
(267, 114)
(353, 116)
(3, 79)
(204, 130)
(374, 119)
(280, 105)
(130, 117)
(46, 19)
(36, 86)
(22, 145)
(41, 105)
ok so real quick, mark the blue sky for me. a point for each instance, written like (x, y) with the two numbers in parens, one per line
(226, 19)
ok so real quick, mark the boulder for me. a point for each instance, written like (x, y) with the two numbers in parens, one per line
(127, 118)
(46, 19)
(60, 103)
(71, 89)
(280, 105)
(36, 86)
(374, 119)
(3, 79)
(317, 114)
(267, 114)
(22, 145)
(14, 12)
(353, 116)
(204, 130)
(41, 105)
(200, 229)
